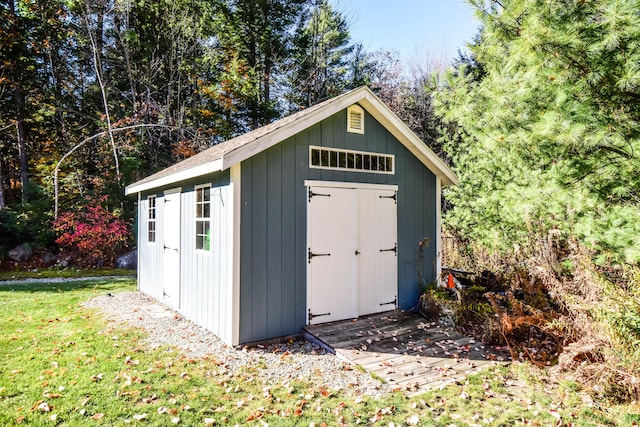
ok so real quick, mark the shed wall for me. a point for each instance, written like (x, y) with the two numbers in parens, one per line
(273, 222)
(205, 276)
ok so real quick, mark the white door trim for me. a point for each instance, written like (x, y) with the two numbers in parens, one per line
(355, 185)
(356, 282)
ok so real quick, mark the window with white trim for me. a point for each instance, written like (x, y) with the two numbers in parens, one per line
(151, 219)
(350, 160)
(355, 119)
(203, 218)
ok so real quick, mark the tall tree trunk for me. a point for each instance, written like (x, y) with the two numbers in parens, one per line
(96, 47)
(18, 99)
(2, 203)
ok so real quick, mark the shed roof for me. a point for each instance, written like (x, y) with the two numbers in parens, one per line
(224, 155)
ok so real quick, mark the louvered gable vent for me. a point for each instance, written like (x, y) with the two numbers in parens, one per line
(355, 119)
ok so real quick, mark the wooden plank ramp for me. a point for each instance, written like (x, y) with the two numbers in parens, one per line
(407, 351)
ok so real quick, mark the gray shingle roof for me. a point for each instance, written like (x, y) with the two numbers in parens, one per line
(239, 147)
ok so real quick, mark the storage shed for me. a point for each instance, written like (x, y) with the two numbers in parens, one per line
(313, 218)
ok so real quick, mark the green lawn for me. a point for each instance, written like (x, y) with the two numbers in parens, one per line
(64, 365)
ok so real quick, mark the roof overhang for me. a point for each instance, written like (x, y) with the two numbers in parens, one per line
(194, 172)
(266, 138)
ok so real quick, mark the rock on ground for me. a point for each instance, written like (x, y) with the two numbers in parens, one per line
(128, 261)
(21, 252)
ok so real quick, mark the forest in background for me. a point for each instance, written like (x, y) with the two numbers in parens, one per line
(539, 119)
(95, 95)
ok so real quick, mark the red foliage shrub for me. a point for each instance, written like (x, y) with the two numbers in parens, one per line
(95, 234)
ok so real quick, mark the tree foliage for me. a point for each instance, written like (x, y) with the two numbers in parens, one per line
(94, 234)
(550, 126)
(95, 95)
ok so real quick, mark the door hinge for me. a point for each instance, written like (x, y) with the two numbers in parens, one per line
(311, 255)
(311, 194)
(394, 197)
(394, 249)
(394, 302)
(313, 316)
(171, 249)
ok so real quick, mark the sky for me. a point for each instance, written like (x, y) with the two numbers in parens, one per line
(414, 28)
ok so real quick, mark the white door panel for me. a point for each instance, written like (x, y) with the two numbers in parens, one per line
(377, 262)
(171, 254)
(331, 227)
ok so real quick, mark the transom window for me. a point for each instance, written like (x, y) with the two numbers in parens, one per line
(203, 218)
(151, 219)
(357, 161)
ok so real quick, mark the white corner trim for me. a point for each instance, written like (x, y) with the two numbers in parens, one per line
(236, 206)
(141, 214)
(194, 172)
(438, 227)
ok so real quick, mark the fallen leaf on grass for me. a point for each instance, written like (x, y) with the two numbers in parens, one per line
(44, 407)
(97, 377)
(97, 416)
(209, 421)
(140, 417)
(413, 420)
(52, 395)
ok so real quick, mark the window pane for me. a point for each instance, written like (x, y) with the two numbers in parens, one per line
(334, 159)
(389, 164)
(207, 237)
(374, 163)
(206, 213)
(324, 158)
(359, 161)
(367, 162)
(199, 195)
(315, 157)
(207, 193)
(350, 160)
(152, 231)
(203, 235)
(342, 160)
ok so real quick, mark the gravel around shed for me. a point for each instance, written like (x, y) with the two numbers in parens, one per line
(277, 363)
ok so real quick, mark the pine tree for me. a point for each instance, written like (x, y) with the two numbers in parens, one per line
(320, 57)
(550, 129)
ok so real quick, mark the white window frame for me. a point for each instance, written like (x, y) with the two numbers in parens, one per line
(154, 209)
(205, 220)
(347, 168)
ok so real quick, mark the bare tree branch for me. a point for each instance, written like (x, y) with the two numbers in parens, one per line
(109, 132)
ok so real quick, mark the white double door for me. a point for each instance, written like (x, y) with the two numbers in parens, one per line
(352, 266)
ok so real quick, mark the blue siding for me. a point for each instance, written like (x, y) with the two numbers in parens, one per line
(273, 222)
